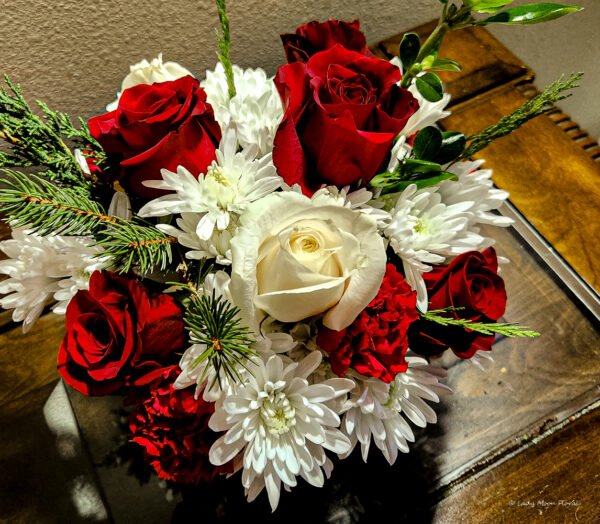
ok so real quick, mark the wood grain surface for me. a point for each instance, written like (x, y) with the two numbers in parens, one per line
(552, 180)
(555, 480)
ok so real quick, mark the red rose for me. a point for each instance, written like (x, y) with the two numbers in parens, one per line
(343, 112)
(117, 332)
(375, 344)
(316, 36)
(172, 427)
(471, 282)
(163, 125)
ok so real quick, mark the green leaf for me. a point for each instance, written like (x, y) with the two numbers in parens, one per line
(411, 166)
(409, 49)
(486, 6)
(430, 87)
(427, 143)
(453, 144)
(432, 179)
(530, 14)
(445, 64)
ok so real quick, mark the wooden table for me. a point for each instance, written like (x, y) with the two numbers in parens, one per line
(516, 443)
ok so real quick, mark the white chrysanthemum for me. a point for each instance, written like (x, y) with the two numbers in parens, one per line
(475, 185)
(360, 200)
(145, 72)
(424, 230)
(256, 108)
(378, 411)
(231, 182)
(217, 246)
(44, 268)
(281, 424)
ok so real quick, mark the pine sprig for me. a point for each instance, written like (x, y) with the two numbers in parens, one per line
(40, 142)
(224, 45)
(505, 329)
(530, 109)
(47, 208)
(135, 244)
(213, 322)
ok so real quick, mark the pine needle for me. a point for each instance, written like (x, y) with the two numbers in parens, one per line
(530, 109)
(224, 45)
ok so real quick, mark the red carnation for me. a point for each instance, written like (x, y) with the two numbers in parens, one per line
(375, 344)
(471, 284)
(172, 427)
(317, 36)
(163, 125)
(118, 332)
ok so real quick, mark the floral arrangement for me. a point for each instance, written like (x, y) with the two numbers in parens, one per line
(266, 269)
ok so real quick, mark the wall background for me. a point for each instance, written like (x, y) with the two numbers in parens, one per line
(75, 57)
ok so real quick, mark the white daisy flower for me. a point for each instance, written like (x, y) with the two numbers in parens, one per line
(475, 185)
(42, 269)
(217, 246)
(424, 230)
(281, 424)
(360, 200)
(231, 182)
(378, 411)
(256, 108)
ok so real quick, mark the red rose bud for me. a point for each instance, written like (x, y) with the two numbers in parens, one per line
(375, 344)
(163, 125)
(172, 427)
(471, 282)
(117, 333)
(343, 112)
(316, 36)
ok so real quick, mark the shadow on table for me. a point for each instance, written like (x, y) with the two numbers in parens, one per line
(356, 492)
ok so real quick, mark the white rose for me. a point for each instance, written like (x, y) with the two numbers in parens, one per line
(145, 72)
(293, 259)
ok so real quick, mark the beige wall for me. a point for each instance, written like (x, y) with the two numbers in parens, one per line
(74, 58)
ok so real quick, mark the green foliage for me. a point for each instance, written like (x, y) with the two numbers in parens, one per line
(530, 109)
(438, 146)
(430, 87)
(135, 244)
(40, 142)
(409, 49)
(505, 329)
(529, 14)
(486, 6)
(47, 208)
(224, 45)
(214, 322)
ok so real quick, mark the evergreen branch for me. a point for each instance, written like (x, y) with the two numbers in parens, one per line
(214, 322)
(47, 208)
(505, 329)
(224, 44)
(135, 244)
(530, 109)
(36, 141)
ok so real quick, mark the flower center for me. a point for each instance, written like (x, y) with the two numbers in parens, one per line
(216, 173)
(278, 415)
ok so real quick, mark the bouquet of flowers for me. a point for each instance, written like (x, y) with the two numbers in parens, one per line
(265, 268)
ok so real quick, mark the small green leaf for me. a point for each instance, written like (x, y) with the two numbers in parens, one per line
(445, 64)
(412, 166)
(427, 143)
(430, 87)
(487, 6)
(433, 179)
(409, 49)
(453, 144)
(530, 14)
